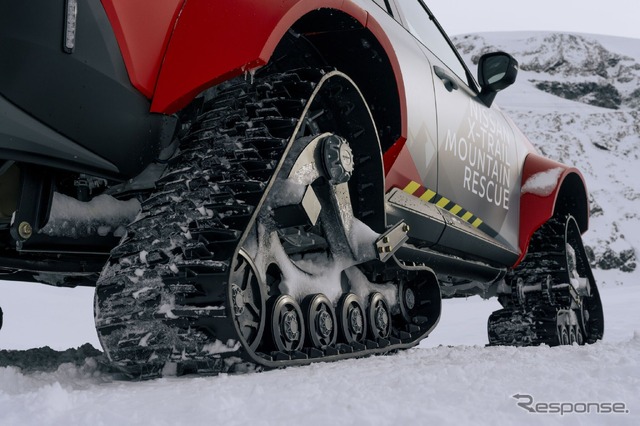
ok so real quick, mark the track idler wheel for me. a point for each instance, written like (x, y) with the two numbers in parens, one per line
(353, 323)
(247, 300)
(322, 325)
(287, 325)
(419, 298)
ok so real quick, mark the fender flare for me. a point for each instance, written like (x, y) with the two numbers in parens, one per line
(203, 50)
(172, 51)
(549, 188)
(143, 34)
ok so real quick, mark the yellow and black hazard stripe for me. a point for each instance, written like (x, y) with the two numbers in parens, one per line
(430, 196)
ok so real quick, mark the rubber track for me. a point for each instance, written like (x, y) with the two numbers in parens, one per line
(535, 323)
(167, 280)
(161, 302)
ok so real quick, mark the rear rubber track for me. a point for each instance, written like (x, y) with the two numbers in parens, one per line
(163, 301)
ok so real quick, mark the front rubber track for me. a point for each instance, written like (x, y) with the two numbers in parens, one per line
(535, 322)
(162, 303)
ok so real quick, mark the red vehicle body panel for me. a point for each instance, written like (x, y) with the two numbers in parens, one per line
(143, 34)
(178, 48)
(535, 209)
(204, 49)
(405, 171)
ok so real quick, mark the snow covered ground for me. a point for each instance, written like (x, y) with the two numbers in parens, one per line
(451, 378)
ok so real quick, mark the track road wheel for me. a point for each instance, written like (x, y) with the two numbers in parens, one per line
(572, 336)
(563, 333)
(579, 337)
(379, 317)
(353, 322)
(322, 325)
(287, 325)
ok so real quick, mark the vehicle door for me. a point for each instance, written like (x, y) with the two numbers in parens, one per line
(477, 162)
(416, 161)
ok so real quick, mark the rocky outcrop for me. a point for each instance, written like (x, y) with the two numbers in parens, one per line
(47, 359)
(624, 260)
(598, 76)
(603, 94)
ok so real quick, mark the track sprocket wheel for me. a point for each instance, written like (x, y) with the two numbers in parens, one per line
(248, 300)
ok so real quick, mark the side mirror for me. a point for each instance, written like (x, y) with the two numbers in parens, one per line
(496, 71)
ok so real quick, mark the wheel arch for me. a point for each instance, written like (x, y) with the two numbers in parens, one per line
(143, 34)
(358, 50)
(364, 53)
(203, 49)
(548, 189)
(573, 199)
(192, 61)
(343, 35)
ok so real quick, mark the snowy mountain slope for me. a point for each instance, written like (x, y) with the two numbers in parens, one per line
(580, 64)
(578, 99)
(463, 383)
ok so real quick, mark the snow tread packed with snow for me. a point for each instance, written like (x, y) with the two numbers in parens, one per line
(176, 256)
(172, 299)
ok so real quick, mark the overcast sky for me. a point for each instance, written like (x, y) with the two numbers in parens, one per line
(611, 17)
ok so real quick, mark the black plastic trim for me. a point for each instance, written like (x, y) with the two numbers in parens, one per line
(452, 266)
(25, 139)
(462, 237)
(86, 96)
